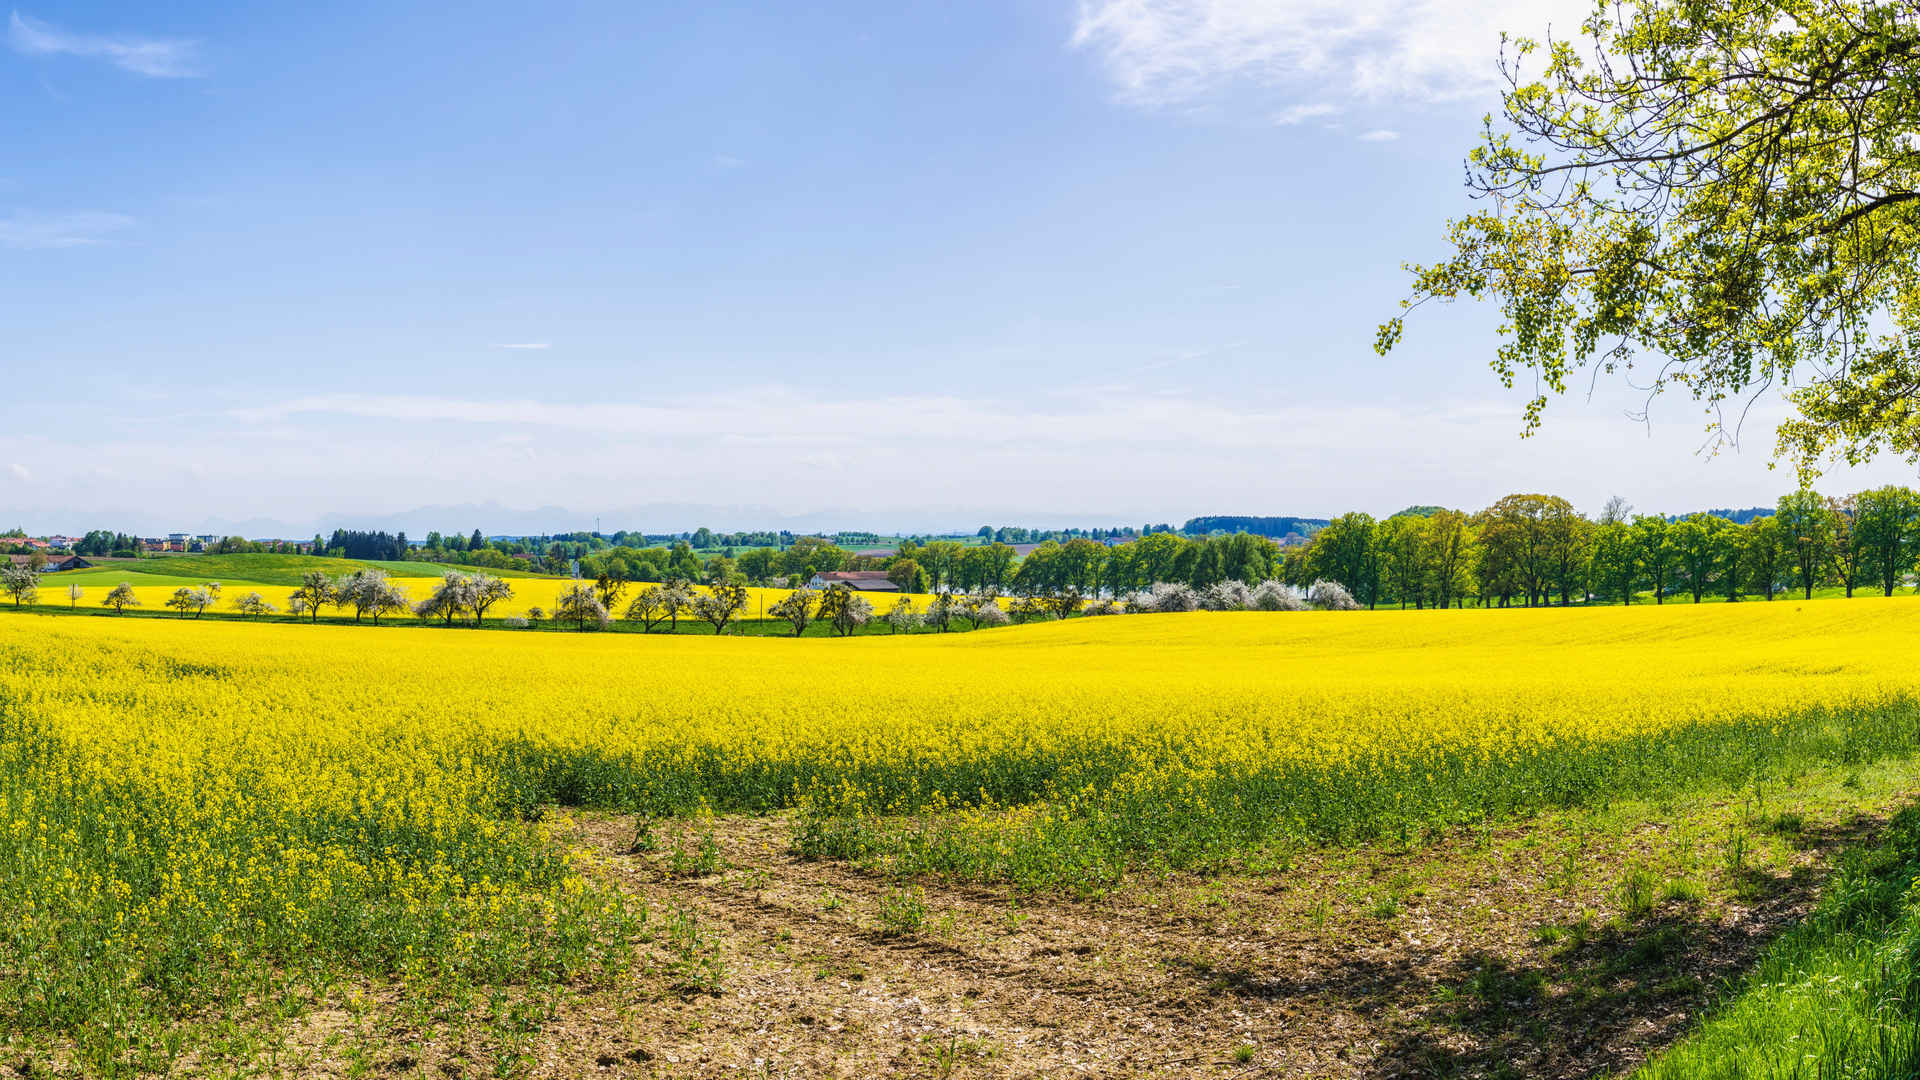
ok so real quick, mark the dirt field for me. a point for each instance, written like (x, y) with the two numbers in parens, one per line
(1569, 945)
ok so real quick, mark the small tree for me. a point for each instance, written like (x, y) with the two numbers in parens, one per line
(831, 599)
(1849, 556)
(22, 583)
(610, 587)
(535, 614)
(1170, 596)
(1273, 595)
(1024, 610)
(649, 608)
(797, 608)
(120, 598)
(1331, 596)
(185, 599)
(316, 591)
(907, 575)
(941, 611)
(1065, 602)
(252, 605)
(387, 599)
(341, 598)
(721, 605)
(453, 595)
(1767, 551)
(844, 609)
(1806, 530)
(901, 617)
(485, 590)
(362, 590)
(974, 607)
(676, 597)
(74, 593)
(580, 604)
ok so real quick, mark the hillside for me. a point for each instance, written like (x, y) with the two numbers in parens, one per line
(1259, 526)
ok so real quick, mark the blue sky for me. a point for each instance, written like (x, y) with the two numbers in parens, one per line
(887, 264)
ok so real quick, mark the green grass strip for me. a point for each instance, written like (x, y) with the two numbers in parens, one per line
(1836, 997)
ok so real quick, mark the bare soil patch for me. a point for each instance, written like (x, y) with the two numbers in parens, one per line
(1568, 945)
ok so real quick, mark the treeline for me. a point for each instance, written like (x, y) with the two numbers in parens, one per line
(119, 545)
(1258, 526)
(1531, 549)
(460, 550)
(1524, 550)
(1081, 565)
(354, 544)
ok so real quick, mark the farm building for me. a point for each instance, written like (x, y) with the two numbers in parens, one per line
(862, 580)
(54, 562)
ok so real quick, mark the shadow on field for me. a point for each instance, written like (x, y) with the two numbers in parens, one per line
(1596, 1000)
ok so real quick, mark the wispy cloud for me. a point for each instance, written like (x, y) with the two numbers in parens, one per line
(20, 472)
(1380, 135)
(1300, 114)
(32, 232)
(159, 58)
(1174, 52)
(792, 419)
(524, 345)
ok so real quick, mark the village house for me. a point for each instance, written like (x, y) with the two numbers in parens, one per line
(861, 580)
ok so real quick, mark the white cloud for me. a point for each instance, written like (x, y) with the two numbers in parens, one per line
(1297, 114)
(1380, 135)
(1173, 52)
(159, 58)
(524, 345)
(30, 232)
(790, 418)
(20, 472)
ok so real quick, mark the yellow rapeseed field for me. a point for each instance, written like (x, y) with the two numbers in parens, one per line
(183, 800)
(527, 593)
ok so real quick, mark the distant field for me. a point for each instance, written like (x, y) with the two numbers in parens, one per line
(152, 590)
(176, 570)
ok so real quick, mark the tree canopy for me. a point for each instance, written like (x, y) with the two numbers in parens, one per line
(1723, 196)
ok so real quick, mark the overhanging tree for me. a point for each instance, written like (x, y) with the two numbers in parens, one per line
(1725, 194)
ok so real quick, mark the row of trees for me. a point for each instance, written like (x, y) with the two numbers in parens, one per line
(1537, 549)
(368, 593)
(1081, 564)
